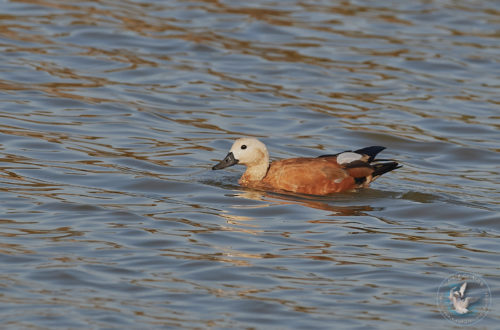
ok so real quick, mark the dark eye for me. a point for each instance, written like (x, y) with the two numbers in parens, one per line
(243, 147)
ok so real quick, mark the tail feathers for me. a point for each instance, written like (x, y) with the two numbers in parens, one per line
(370, 151)
(383, 168)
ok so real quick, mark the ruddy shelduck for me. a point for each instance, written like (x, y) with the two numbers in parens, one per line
(326, 174)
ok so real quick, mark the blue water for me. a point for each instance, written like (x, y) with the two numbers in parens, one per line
(113, 113)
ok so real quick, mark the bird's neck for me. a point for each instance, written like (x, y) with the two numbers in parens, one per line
(255, 172)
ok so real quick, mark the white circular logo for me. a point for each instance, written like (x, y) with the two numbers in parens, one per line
(464, 298)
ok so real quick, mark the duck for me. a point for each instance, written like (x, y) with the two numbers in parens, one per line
(322, 175)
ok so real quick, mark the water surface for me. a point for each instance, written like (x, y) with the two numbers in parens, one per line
(113, 113)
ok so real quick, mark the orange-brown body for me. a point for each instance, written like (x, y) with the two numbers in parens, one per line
(314, 176)
(323, 175)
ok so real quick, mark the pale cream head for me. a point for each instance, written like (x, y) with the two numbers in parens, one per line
(250, 152)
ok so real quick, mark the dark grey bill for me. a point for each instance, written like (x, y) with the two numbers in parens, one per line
(226, 162)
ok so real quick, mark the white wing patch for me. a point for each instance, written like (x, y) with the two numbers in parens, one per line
(347, 157)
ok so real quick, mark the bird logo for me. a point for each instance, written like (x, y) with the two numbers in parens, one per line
(464, 298)
(459, 301)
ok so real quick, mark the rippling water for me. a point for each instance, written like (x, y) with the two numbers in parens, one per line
(113, 113)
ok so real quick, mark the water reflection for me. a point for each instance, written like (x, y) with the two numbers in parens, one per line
(314, 202)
